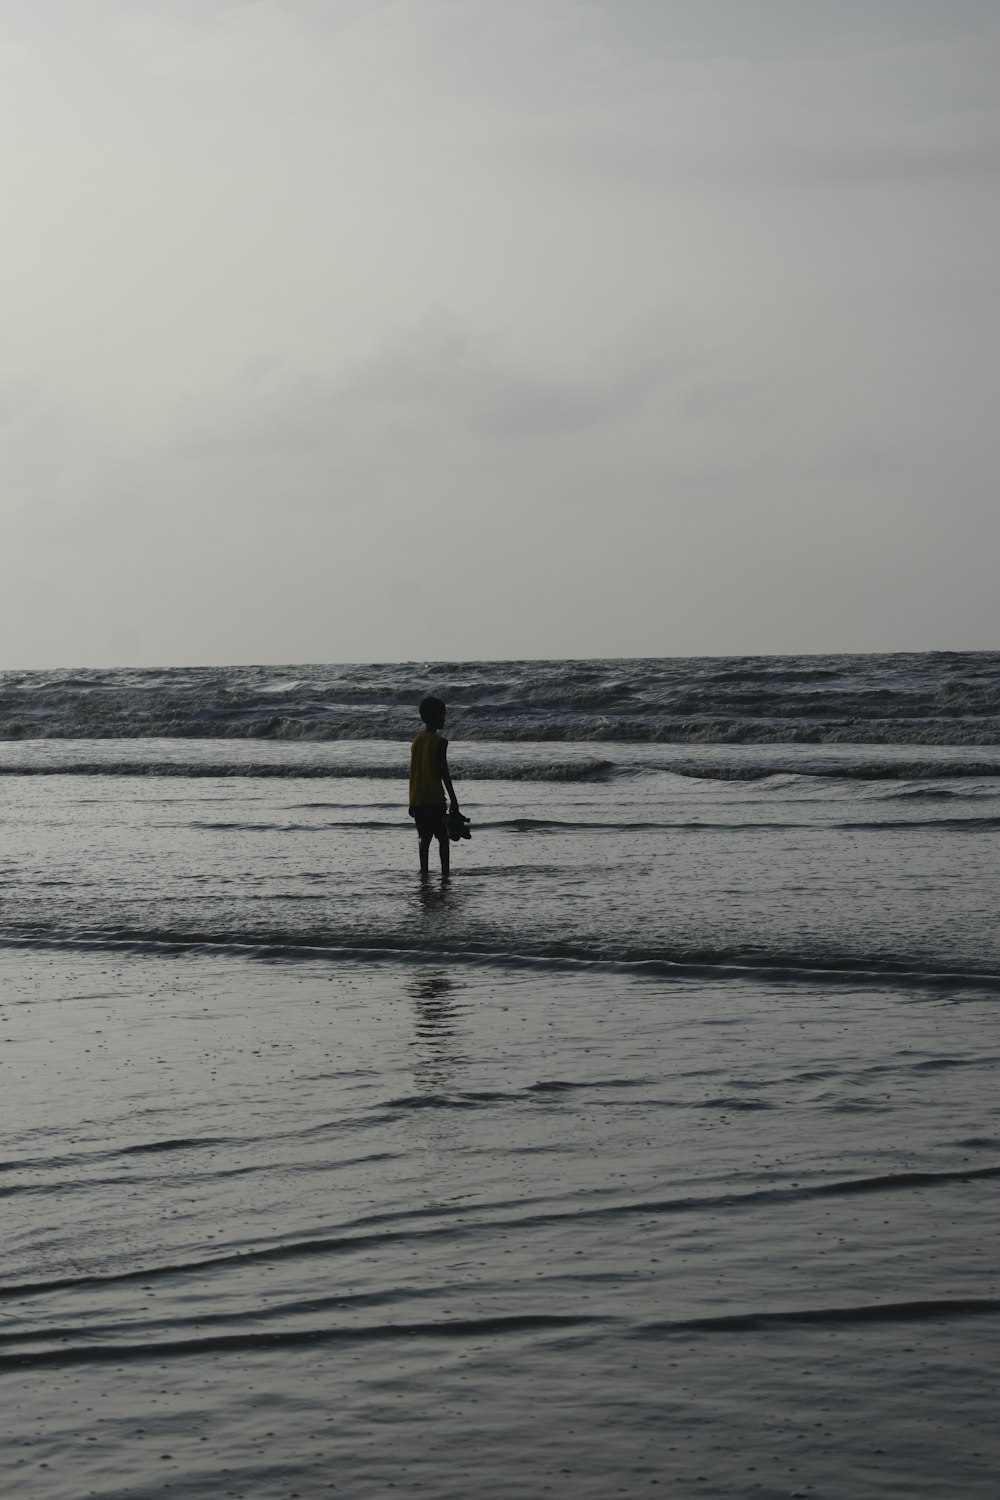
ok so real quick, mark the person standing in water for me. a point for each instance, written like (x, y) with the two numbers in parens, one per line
(430, 784)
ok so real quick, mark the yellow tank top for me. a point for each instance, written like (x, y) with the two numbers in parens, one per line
(426, 787)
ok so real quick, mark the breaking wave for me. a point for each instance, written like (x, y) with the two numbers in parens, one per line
(508, 767)
(931, 698)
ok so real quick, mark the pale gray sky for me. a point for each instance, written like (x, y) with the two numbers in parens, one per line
(401, 329)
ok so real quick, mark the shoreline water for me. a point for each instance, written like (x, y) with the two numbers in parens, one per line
(660, 1145)
(862, 868)
(299, 1257)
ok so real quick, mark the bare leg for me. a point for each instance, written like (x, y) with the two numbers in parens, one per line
(425, 844)
(444, 841)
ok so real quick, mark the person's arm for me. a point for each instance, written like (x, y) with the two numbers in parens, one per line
(442, 762)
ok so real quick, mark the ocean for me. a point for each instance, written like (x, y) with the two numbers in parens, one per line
(658, 1147)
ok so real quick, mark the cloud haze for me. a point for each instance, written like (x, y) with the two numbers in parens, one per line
(455, 328)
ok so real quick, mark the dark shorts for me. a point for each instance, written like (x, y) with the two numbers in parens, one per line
(430, 821)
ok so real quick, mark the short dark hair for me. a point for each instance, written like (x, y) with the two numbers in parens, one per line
(432, 711)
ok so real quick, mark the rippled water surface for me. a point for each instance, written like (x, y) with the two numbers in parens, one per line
(834, 859)
(925, 698)
(660, 1147)
(275, 1228)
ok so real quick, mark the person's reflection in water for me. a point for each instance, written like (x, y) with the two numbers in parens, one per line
(436, 908)
(438, 1027)
(432, 897)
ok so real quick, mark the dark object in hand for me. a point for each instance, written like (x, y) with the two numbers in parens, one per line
(458, 827)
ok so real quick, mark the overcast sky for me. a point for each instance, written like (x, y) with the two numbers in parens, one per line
(347, 330)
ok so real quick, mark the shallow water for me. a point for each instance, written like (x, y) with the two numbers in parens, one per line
(845, 863)
(486, 1232)
(660, 1147)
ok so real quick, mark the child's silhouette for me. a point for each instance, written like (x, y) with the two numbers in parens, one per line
(430, 781)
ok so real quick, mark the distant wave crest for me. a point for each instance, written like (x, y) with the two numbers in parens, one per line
(918, 699)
